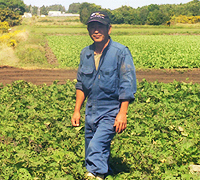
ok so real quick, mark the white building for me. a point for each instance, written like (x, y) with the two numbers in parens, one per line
(60, 14)
(54, 13)
(27, 15)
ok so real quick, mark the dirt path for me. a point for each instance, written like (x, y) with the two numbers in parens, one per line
(40, 76)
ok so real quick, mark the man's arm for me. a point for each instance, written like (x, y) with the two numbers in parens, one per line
(127, 89)
(121, 119)
(80, 97)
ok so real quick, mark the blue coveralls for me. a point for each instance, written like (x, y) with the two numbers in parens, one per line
(106, 88)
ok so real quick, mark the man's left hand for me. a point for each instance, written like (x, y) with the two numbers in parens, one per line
(120, 122)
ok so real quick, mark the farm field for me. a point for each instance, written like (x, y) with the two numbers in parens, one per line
(38, 141)
(148, 51)
(161, 141)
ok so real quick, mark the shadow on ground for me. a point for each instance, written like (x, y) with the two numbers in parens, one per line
(118, 166)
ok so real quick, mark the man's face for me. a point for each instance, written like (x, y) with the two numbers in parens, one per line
(99, 32)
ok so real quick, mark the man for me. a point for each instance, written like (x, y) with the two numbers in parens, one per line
(106, 76)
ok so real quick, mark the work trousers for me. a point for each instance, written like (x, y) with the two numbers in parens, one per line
(99, 131)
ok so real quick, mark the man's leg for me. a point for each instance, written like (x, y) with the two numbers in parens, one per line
(98, 146)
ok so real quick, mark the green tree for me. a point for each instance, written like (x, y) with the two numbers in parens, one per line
(74, 8)
(34, 10)
(9, 16)
(57, 7)
(191, 8)
(156, 17)
(11, 11)
(194, 8)
(143, 13)
(28, 8)
(134, 17)
(86, 9)
(153, 7)
(14, 5)
(117, 17)
(123, 15)
(44, 10)
(168, 9)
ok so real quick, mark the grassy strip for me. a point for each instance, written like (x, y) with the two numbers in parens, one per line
(116, 31)
(32, 51)
(24, 48)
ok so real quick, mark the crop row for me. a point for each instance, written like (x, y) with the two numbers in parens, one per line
(57, 28)
(149, 51)
(37, 140)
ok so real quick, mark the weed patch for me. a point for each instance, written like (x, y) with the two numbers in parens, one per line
(7, 56)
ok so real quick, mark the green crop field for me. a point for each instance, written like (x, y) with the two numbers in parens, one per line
(37, 140)
(149, 51)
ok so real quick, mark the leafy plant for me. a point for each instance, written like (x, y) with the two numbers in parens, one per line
(37, 140)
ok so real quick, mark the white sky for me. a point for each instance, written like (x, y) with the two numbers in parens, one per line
(109, 4)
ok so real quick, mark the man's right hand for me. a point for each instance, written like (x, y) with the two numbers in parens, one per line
(76, 119)
(80, 97)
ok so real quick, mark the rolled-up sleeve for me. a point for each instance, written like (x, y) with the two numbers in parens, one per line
(127, 77)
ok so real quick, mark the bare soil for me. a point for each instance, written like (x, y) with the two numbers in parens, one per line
(40, 76)
(48, 76)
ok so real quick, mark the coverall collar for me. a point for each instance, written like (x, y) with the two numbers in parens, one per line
(92, 48)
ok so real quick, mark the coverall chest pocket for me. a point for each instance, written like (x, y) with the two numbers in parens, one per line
(108, 79)
(87, 76)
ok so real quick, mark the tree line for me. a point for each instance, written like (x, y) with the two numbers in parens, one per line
(73, 8)
(11, 11)
(44, 9)
(152, 14)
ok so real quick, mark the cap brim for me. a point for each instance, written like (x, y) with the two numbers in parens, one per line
(96, 20)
